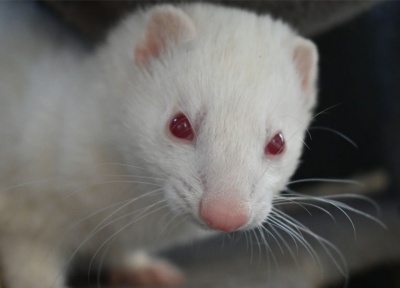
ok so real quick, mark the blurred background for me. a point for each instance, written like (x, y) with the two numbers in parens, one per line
(356, 135)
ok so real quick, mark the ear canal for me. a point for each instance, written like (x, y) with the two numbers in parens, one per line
(305, 56)
(166, 26)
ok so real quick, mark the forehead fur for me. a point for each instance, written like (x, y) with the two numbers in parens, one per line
(236, 55)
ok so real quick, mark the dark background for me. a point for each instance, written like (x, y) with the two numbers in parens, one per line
(360, 91)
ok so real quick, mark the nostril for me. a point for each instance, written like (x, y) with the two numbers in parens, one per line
(227, 217)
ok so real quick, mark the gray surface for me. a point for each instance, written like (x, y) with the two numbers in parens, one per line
(232, 262)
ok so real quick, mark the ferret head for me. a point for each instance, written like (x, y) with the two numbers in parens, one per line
(217, 101)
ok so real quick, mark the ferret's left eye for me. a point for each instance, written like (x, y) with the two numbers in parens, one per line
(276, 145)
(181, 128)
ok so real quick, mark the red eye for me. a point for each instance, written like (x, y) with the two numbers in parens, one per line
(276, 146)
(181, 128)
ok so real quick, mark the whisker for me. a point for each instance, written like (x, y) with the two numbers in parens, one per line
(131, 166)
(122, 207)
(96, 213)
(305, 144)
(344, 213)
(99, 267)
(325, 244)
(343, 136)
(263, 228)
(223, 241)
(177, 223)
(288, 200)
(295, 231)
(97, 229)
(109, 182)
(375, 205)
(174, 216)
(140, 211)
(247, 240)
(251, 247)
(327, 109)
(301, 129)
(308, 204)
(284, 242)
(270, 218)
(269, 250)
(112, 236)
(132, 176)
(309, 134)
(259, 246)
(330, 249)
(340, 181)
(338, 204)
(33, 182)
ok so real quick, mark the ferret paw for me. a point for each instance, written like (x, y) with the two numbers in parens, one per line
(149, 273)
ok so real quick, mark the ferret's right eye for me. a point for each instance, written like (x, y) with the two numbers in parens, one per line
(181, 128)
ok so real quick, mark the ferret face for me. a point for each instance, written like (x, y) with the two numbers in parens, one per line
(223, 119)
(233, 148)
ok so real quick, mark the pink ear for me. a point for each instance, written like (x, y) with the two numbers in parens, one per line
(306, 57)
(166, 26)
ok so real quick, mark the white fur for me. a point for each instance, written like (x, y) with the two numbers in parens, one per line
(65, 117)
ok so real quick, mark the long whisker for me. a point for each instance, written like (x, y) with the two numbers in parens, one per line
(34, 182)
(259, 246)
(302, 204)
(247, 239)
(343, 136)
(140, 211)
(305, 144)
(111, 241)
(132, 176)
(301, 129)
(263, 228)
(327, 109)
(288, 200)
(309, 134)
(294, 231)
(110, 238)
(375, 205)
(340, 181)
(325, 244)
(131, 166)
(339, 205)
(177, 223)
(284, 242)
(98, 228)
(96, 213)
(174, 216)
(251, 247)
(109, 182)
(268, 249)
(99, 267)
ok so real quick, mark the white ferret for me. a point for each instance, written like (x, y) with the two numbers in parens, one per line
(192, 115)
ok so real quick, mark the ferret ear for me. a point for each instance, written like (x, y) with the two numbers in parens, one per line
(305, 57)
(166, 26)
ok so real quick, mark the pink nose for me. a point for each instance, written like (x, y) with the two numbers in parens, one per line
(223, 216)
